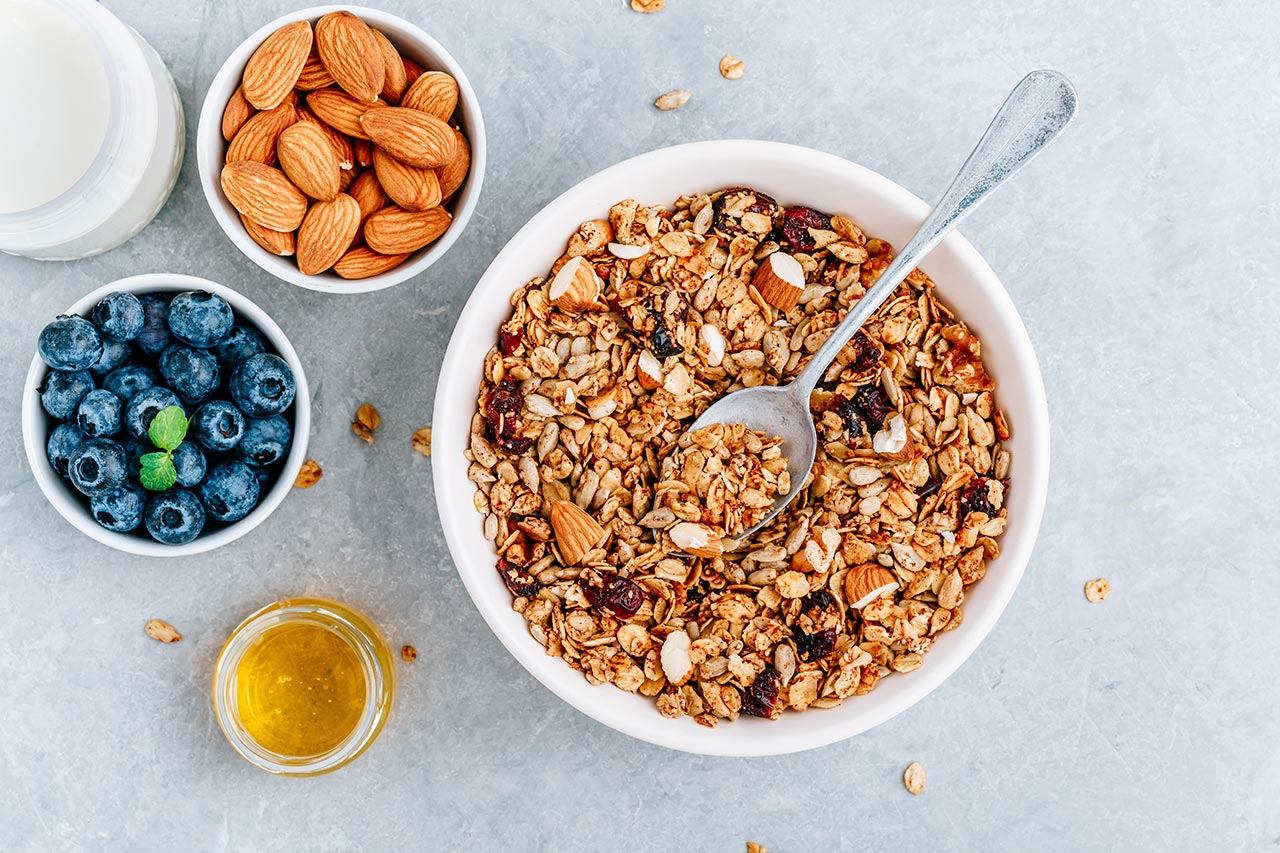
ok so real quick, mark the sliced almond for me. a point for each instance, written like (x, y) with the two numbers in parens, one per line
(363, 262)
(307, 157)
(649, 370)
(257, 138)
(454, 173)
(576, 286)
(628, 252)
(394, 80)
(235, 114)
(696, 539)
(576, 531)
(410, 136)
(393, 231)
(326, 233)
(677, 663)
(274, 68)
(713, 344)
(434, 93)
(338, 110)
(350, 52)
(279, 243)
(411, 187)
(780, 280)
(264, 195)
(865, 583)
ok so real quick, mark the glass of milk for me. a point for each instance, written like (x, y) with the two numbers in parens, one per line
(93, 135)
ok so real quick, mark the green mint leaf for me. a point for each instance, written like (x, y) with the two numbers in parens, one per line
(157, 472)
(168, 428)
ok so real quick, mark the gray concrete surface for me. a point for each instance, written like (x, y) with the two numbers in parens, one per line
(1140, 250)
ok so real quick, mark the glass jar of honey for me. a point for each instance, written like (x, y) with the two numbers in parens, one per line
(303, 686)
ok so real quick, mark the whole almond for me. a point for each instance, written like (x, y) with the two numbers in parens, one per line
(369, 194)
(576, 531)
(314, 75)
(363, 149)
(412, 71)
(264, 195)
(279, 243)
(394, 77)
(275, 66)
(410, 136)
(326, 233)
(348, 178)
(339, 110)
(308, 158)
(363, 262)
(257, 139)
(340, 142)
(236, 113)
(454, 173)
(393, 231)
(434, 93)
(350, 52)
(411, 187)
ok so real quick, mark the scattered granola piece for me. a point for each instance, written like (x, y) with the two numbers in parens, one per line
(731, 68)
(158, 629)
(408, 654)
(1097, 589)
(422, 441)
(308, 475)
(752, 847)
(673, 100)
(913, 778)
(647, 7)
(366, 422)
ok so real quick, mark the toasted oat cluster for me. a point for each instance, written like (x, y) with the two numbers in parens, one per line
(612, 526)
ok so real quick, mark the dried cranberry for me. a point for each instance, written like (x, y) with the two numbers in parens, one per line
(510, 336)
(797, 221)
(616, 594)
(930, 487)
(761, 698)
(848, 412)
(729, 224)
(977, 497)
(867, 354)
(873, 404)
(500, 410)
(815, 646)
(661, 342)
(520, 582)
(818, 612)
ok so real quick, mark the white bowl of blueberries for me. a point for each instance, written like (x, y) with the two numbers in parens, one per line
(165, 414)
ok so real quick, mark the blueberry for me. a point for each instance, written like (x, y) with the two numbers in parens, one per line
(263, 475)
(191, 373)
(97, 467)
(229, 490)
(70, 343)
(190, 464)
(218, 425)
(134, 449)
(100, 413)
(143, 408)
(114, 354)
(241, 343)
(118, 317)
(174, 517)
(62, 390)
(127, 381)
(200, 318)
(64, 441)
(155, 335)
(262, 385)
(265, 441)
(120, 510)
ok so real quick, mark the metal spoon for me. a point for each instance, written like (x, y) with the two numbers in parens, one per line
(1035, 112)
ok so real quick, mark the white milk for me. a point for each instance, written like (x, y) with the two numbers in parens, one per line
(53, 93)
(92, 136)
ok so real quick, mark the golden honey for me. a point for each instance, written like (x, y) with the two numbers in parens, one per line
(300, 689)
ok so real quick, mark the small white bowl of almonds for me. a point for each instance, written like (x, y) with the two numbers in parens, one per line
(341, 149)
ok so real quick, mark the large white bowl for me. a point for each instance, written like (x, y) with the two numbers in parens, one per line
(412, 43)
(71, 505)
(793, 175)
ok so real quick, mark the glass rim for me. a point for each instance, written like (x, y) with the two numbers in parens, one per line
(375, 661)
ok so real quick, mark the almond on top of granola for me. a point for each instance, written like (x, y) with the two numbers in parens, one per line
(612, 524)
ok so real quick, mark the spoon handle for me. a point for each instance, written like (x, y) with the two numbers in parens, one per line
(1035, 112)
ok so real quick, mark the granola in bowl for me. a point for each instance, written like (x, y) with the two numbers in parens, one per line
(611, 531)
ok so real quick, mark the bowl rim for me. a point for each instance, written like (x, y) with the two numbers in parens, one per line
(59, 492)
(746, 737)
(209, 147)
